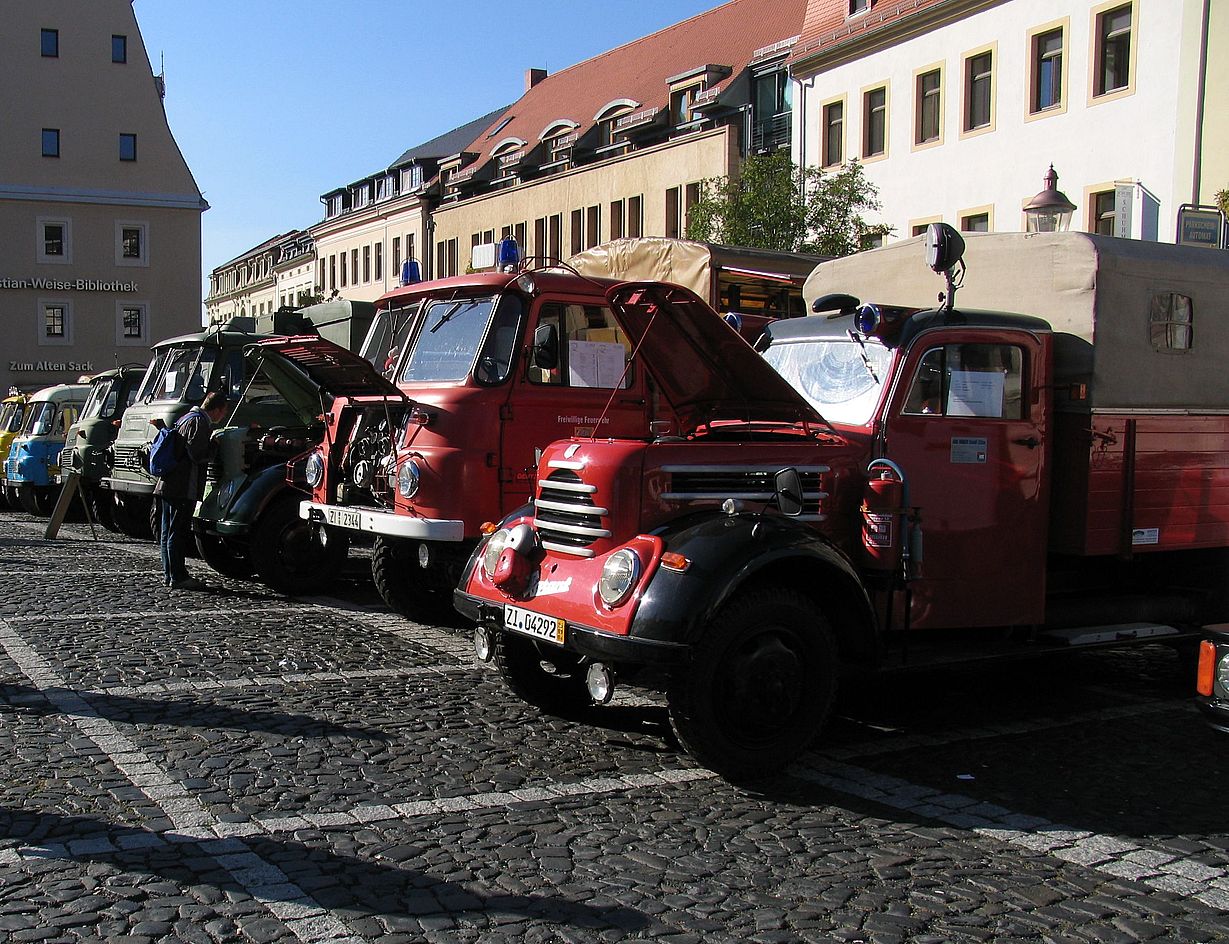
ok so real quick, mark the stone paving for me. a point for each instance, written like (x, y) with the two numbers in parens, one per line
(231, 765)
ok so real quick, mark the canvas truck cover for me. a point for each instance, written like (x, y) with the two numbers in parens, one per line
(1099, 294)
(684, 262)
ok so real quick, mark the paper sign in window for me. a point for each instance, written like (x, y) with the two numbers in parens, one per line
(975, 393)
(595, 363)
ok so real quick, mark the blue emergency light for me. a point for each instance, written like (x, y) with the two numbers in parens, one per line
(507, 255)
(410, 273)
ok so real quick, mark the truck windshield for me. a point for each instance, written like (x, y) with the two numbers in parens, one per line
(179, 373)
(456, 333)
(10, 417)
(842, 379)
(40, 419)
(387, 336)
(102, 401)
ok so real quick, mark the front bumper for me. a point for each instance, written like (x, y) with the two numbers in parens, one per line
(583, 640)
(129, 486)
(351, 518)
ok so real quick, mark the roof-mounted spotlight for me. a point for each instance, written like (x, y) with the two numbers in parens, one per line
(837, 303)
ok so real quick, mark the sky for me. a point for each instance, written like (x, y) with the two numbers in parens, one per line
(274, 103)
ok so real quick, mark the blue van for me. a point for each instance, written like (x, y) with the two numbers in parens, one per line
(32, 469)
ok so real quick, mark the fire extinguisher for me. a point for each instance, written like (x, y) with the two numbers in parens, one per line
(883, 510)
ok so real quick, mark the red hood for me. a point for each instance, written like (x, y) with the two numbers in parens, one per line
(702, 365)
(336, 370)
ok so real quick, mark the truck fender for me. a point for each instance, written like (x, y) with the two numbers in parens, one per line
(729, 553)
(257, 494)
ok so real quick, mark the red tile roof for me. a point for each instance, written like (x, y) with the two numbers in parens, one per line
(728, 35)
(826, 23)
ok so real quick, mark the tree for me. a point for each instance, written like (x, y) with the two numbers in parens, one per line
(1222, 200)
(775, 204)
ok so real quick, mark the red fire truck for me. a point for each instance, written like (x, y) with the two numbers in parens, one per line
(909, 484)
(499, 365)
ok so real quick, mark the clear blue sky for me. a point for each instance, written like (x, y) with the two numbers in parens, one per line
(274, 103)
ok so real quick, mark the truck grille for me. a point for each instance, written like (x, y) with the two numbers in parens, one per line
(567, 518)
(66, 458)
(698, 483)
(128, 458)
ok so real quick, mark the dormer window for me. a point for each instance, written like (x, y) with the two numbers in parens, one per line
(411, 178)
(681, 102)
(687, 87)
(607, 116)
(858, 6)
(386, 187)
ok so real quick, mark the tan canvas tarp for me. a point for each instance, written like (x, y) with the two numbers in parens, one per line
(1095, 291)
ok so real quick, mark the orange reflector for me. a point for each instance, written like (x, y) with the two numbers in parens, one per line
(1207, 668)
(489, 527)
(675, 561)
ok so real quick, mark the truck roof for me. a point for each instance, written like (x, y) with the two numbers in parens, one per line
(1100, 295)
(490, 282)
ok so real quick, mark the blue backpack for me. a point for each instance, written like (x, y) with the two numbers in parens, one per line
(167, 448)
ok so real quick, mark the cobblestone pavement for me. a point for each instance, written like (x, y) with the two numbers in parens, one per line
(230, 765)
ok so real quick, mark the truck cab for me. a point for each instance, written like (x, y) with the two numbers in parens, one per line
(892, 484)
(93, 432)
(12, 411)
(32, 469)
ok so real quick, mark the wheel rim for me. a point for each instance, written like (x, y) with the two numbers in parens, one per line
(761, 686)
(299, 550)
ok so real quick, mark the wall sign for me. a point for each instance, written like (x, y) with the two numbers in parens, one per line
(67, 285)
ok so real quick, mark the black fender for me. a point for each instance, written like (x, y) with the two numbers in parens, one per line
(257, 493)
(729, 552)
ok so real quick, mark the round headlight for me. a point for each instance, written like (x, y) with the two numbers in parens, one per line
(227, 492)
(408, 477)
(494, 547)
(315, 470)
(619, 576)
(1222, 672)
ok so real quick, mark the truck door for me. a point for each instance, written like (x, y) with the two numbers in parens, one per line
(565, 387)
(968, 423)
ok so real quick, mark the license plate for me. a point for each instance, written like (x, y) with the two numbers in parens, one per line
(345, 519)
(546, 628)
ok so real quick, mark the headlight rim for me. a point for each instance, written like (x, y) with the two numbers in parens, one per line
(494, 546)
(614, 596)
(409, 479)
(314, 469)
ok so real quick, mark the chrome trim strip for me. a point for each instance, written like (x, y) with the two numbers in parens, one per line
(573, 509)
(566, 549)
(568, 486)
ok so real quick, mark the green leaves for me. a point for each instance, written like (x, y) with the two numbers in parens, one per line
(775, 204)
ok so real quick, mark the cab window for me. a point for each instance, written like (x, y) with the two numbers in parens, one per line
(592, 350)
(969, 380)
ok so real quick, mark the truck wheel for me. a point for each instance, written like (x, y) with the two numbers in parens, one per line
(224, 557)
(759, 686)
(288, 555)
(36, 499)
(558, 692)
(132, 514)
(101, 505)
(394, 570)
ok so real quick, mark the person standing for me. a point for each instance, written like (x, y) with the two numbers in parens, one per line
(178, 490)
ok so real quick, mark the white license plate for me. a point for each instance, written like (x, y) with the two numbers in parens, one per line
(546, 628)
(345, 519)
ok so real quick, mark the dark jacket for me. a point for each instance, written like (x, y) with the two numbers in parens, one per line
(186, 482)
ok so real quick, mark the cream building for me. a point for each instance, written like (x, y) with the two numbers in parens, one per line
(280, 272)
(957, 108)
(101, 215)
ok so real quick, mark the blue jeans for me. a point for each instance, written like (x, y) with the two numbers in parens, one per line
(176, 524)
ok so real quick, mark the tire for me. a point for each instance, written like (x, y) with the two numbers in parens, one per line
(759, 685)
(131, 514)
(559, 692)
(101, 505)
(224, 557)
(394, 570)
(287, 554)
(10, 496)
(37, 500)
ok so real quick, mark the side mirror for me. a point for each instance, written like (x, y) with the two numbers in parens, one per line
(788, 484)
(944, 247)
(545, 347)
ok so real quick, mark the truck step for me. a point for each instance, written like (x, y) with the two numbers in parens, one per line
(1100, 635)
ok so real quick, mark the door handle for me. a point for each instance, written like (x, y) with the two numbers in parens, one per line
(1032, 442)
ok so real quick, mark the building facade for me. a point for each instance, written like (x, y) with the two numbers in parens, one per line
(279, 273)
(957, 108)
(101, 215)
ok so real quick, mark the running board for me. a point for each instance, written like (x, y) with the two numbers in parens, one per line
(1100, 635)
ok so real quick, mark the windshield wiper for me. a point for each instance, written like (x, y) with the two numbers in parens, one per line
(448, 316)
(853, 336)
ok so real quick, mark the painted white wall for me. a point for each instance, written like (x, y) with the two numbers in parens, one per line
(1135, 138)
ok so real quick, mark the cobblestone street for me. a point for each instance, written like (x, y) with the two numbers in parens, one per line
(230, 765)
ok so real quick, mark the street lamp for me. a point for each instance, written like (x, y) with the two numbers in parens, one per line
(1050, 211)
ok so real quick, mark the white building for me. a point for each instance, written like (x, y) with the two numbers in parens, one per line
(957, 108)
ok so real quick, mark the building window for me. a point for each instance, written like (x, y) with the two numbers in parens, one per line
(672, 212)
(54, 241)
(1170, 323)
(928, 119)
(978, 91)
(366, 263)
(593, 226)
(380, 261)
(616, 219)
(635, 217)
(773, 107)
(119, 48)
(681, 102)
(132, 323)
(1104, 216)
(858, 6)
(875, 122)
(51, 142)
(131, 243)
(1047, 91)
(578, 232)
(975, 222)
(691, 196)
(54, 321)
(397, 254)
(333, 272)
(1113, 50)
(343, 268)
(554, 236)
(51, 43)
(127, 147)
(354, 265)
(834, 133)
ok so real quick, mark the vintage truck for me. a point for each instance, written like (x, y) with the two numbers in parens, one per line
(93, 432)
(30, 474)
(183, 370)
(499, 365)
(12, 412)
(911, 484)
